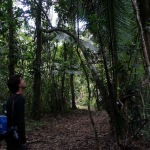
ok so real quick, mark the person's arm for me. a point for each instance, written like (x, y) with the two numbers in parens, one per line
(21, 119)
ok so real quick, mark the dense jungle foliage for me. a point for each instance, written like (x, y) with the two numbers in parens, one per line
(75, 53)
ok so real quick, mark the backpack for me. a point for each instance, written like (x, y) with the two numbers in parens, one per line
(3, 123)
(11, 132)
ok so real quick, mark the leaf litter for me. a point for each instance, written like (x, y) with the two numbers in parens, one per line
(70, 132)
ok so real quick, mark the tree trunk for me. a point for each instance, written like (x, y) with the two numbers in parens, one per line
(36, 66)
(62, 100)
(98, 103)
(73, 20)
(11, 65)
(72, 92)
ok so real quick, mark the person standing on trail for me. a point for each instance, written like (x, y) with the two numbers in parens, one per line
(15, 111)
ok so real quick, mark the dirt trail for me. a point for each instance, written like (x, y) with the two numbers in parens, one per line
(71, 132)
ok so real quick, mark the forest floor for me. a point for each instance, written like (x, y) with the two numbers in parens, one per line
(72, 131)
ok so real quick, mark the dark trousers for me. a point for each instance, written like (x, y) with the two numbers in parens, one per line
(12, 145)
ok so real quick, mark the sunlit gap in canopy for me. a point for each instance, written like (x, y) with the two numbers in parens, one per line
(52, 15)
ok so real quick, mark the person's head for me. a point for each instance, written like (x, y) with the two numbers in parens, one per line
(16, 84)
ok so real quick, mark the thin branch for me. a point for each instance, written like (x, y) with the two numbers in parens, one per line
(89, 99)
(88, 86)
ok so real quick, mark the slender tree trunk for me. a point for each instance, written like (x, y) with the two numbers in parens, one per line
(62, 100)
(72, 91)
(37, 64)
(71, 56)
(11, 65)
(97, 99)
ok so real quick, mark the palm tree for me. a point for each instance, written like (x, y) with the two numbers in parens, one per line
(110, 18)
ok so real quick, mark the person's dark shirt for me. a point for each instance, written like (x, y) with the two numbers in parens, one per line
(18, 117)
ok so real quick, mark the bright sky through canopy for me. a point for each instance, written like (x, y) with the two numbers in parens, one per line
(53, 16)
